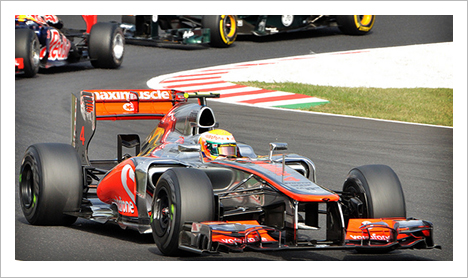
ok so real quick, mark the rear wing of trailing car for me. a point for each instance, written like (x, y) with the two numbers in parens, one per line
(93, 105)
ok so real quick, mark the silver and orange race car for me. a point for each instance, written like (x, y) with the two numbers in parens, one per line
(42, 42)
(231, 199)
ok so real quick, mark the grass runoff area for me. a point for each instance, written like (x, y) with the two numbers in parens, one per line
(417, 105)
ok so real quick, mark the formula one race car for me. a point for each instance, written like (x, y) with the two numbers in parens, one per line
(222, 30)
(197, 190)
(262, 25)
(42, 42)
(216, 30)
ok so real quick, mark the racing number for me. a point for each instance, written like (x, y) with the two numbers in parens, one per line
(82, 137)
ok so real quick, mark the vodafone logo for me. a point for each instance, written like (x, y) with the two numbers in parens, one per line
(126, 174)
(124, 206)
(240, 241)
(373, 237)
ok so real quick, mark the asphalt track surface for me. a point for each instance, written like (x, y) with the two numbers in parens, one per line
(420, 155)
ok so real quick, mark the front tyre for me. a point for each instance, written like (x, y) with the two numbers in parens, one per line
(106, 45)
(355, 24)
(223, 29)
(373, 191)
(27, 47)
(51, 184)
(181, 195)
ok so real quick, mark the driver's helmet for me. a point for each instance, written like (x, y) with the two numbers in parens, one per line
(218, 142)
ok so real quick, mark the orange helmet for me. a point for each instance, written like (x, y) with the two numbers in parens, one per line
(218, 142)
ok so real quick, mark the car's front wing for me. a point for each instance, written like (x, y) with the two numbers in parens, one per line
(362, 235)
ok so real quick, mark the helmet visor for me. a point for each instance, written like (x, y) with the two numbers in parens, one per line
(227, 149)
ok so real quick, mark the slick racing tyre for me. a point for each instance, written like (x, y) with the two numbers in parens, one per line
(355, 24)
(51, 183)
(223, 29)
(181, 195)
(373, 191)
(106, 45)
(27, 46)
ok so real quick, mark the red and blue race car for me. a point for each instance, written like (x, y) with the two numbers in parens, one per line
(197, 190)
(42, 42)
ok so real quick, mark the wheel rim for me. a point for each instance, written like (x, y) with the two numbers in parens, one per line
(355, 191)
(118, 48)
(28, 198)
(35, 53)
(163, 211)
(365, 19)
(228, 27)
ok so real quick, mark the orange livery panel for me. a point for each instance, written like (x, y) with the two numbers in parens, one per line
(122, 104)
(119, 187)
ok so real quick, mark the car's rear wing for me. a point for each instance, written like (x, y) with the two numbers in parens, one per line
(94, 105)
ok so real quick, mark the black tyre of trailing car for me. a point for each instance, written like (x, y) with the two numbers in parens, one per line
(223, 29)
(379, 190)
(355, 24)
(51, 183)
(106, 45)
(27, 46)
(181, 195)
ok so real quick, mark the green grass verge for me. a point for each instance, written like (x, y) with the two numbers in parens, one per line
(417, 105)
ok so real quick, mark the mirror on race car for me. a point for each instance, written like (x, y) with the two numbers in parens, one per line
(277, 147)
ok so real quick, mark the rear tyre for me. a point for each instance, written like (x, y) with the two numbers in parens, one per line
(355, 24)
(223, 29)
(106, 45)
(181, 195)
(27, 46)
(378, 190)
(51, 183)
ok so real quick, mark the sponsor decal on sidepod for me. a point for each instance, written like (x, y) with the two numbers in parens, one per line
(125, 206)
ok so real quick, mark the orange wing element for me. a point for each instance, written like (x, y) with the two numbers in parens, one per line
(134, 104)
(239, 233)
(390, 232)
(371, 229)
